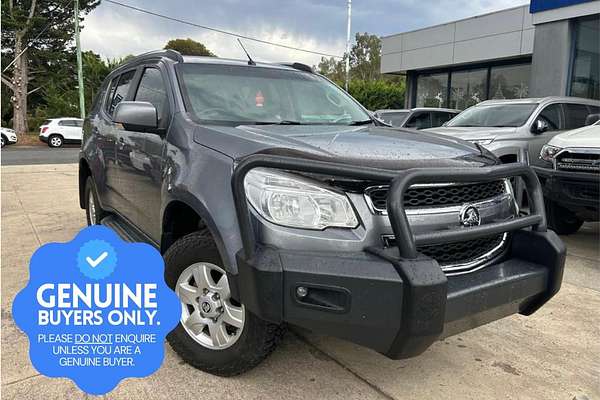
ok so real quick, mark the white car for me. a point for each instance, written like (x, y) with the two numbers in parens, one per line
(58, 131)
(7, 136)
(569, 171)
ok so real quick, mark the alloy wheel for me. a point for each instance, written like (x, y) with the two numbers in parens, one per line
(209, 315)
(91, 209)
(56, 141)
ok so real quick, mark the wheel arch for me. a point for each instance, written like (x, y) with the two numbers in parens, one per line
(84, 172)
(184, 216)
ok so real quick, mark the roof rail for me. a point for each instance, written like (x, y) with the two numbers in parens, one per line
(299, 66)
(168, 53)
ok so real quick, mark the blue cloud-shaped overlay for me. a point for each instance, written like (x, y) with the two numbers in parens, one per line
(133, 263)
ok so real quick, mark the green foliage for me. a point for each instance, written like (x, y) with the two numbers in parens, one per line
(378, 94)
(367, 85)
(189, 47)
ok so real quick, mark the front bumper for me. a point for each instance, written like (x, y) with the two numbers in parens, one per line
(395, 300)
(397, 307)
(576, 191)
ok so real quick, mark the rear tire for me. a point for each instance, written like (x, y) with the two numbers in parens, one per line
(3, 141)
(55, 141)
(562, 220)
(250, 344)
(93, 212)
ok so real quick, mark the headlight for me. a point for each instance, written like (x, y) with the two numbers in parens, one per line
(482, 142)
(548, 152)
(289, 200)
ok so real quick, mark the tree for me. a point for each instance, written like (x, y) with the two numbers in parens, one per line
(189, 47)
(36, 38)
(332, 68)
(365, 57)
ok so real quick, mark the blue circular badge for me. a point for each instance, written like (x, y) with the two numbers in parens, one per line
(96, 259)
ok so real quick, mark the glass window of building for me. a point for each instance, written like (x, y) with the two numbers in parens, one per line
(510, 82)
(432, 90)
(585, 78)
(468, 88)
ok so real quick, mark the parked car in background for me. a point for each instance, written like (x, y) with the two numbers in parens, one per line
(58, 131)
(569, 170)
(417, 118)
(7, 136)
(515, 130)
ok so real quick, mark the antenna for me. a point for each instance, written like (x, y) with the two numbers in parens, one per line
(250, 60)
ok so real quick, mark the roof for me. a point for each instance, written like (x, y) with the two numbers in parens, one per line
(177, 57)
(540, 100)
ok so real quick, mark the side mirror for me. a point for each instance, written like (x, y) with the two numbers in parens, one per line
(539, 126)
(139, 116)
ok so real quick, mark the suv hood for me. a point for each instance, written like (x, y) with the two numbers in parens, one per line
(373, 146)
(472, 132)
(588, 136)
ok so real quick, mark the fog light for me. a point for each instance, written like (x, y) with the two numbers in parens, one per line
(301, 291)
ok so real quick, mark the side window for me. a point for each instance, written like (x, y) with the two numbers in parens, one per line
(111, 93)
(419, 121)
(67, 122)
(152, 89)
(120, 91)
(79, 123)
(438, 118)
(575, 115)
(551, 114)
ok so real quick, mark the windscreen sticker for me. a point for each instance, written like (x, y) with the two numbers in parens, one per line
(96, 310)
(260, 99)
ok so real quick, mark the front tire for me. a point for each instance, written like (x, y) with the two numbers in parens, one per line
(55, 141)
(216, 334)
(93, 212)
(562, 220)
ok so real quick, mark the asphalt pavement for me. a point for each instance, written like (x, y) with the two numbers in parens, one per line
(28, 155)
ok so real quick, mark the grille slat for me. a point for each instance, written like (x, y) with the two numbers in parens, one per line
(446, 196)
(461, 252)
(580, 162)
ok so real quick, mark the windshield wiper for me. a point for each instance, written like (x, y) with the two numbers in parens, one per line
(365, 122)
(283, 122)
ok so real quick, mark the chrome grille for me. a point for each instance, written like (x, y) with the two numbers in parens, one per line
(461, 256)
(437, 195)
(578, 161)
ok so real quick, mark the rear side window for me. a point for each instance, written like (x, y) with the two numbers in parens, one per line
(120, 91)
(78, 123)
(575, 115)
(152, 89)
(66, 122)
(419, 121)
(438, 118)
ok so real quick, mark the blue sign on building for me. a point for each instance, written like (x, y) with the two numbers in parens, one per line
(543, 5)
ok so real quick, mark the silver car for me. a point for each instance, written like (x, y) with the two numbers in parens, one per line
(417, 118)
(516, 130)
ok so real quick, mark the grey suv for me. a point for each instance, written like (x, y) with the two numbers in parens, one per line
(276, 199)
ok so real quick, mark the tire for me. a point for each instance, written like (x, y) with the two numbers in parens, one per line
(252, 343)
(562, 220)
(3, 141)
(93, 212)
(55, 141)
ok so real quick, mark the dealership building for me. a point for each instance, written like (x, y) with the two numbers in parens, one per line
(547, 48)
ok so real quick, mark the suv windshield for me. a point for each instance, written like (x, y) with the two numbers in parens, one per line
(494, 115)
(256, 95)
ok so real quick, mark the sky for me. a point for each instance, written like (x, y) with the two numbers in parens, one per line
(320, 25)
